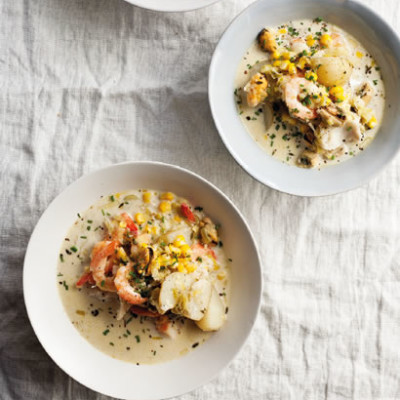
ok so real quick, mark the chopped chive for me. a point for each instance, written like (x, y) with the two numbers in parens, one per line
(112, 198)
(137, 337)
(83, 237)
(106, 332)
(65, 285)
(61, 257)
(74, 249)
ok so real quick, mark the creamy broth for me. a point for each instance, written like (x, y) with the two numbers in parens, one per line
(94, 312)
(264, 123)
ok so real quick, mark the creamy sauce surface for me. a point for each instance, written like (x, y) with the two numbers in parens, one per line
(94, 312)
(263, 123)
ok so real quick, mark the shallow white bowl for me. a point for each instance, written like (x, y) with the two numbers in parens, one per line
(172, 5)
(379, 39)
(76, 356)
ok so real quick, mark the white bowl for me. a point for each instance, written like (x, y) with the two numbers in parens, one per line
(379, 39)
(74, 354)
(172, 5)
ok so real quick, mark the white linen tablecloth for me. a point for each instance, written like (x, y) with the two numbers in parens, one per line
(87, 83)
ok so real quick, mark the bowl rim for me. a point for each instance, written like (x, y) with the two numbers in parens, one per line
(192, 5)
(257, 271)
(236, 156)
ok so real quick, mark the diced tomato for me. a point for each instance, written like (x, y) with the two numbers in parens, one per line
(212, 253)
(144, 312)
(187, 212)
(129, 223)
(85, 278)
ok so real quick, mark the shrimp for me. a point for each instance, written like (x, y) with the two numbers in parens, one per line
(164, 325)
(124, 289)
(199, 250)
(297, 93)
(298, 45)
(256, 89)
(99, 265)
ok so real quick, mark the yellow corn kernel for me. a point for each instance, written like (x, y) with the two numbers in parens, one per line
(181, 268)
(191, 268)
(286, 55)
(121, 254)
(154, 230)
(303, 61)
(292, 69)
(177, 218)
(146, 197)
(221, 276)
(325, 39)
(122, 224)
(337, 92)
(174, 249)
(282, 31)
(167, 196)
(179, 241)
(117, 195)
(311, 76)
(359, 54)
(276, 55)
(284, 65)
(186, 249)
(139, 218)
(310, 41)
(276, 63)
(372, 122)
(164, 206)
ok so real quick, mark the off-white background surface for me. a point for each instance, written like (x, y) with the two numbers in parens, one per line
(88, 83)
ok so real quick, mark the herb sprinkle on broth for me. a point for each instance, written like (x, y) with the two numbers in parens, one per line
(309, 93)
(144, 277)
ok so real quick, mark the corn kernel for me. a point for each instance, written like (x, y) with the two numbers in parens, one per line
(284, 65)
(186, 249)
(303, 61)
(221, 276)
(325, 39)
(179, 241)
(176, 250)
(139, 218)
(276, 55)
(164, 206)
(310, 41)
(154, 230)
(282, 31)
(292, 69)
(311, 76)
(167, 196)
(372, 122)
(117, 195)
(146, 197)
(276, 63)
(181, 268)
(359, 54)
(122, 255)
(337, 92)
(286, 55)
(122, 224)
(191, 268)
(177, 218)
